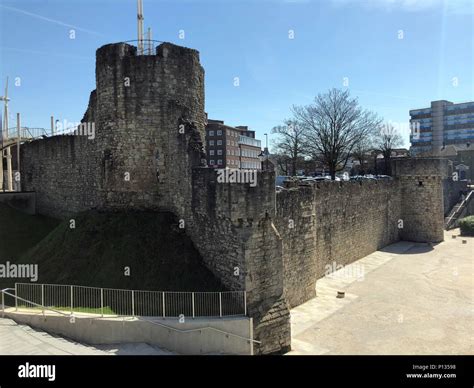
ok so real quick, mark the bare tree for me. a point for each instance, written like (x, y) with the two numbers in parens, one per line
(387, 138)
(333, 125)
(362, 152)
(282, 162)
(290, 143)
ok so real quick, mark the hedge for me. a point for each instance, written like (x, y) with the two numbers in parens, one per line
(467, 226)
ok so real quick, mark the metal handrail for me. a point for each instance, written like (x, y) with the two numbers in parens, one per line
(126, 289)
(28, 301)
(4, 292)
(459, 209)
(199, 329)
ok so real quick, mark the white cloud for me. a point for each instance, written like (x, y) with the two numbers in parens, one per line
(451, 6)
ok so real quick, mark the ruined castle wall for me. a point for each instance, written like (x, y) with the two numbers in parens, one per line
(62, 171)
(232, 225)
(331, 224)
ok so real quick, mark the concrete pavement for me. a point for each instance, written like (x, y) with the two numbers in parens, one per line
(16, 339)
(411, 299)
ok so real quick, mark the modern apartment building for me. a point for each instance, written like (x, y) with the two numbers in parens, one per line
(444, 123)
(232, 147)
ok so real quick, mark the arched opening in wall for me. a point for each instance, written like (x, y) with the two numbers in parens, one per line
(420, 183)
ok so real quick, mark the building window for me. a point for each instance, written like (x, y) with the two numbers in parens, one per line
(211, 142)
(211, 162)
(219, 142)
(211, 152)
(219, 133)
(219, 152)
(219, 162)
(211, 133)
(228, 142)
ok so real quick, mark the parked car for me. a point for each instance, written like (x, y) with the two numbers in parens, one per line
(280, 188)
(384, 177)
(363, 178)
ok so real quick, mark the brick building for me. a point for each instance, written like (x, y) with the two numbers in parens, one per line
(232, 147)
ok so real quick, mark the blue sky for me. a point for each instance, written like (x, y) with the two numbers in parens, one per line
(333, 40)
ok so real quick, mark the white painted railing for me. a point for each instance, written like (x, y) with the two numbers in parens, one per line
(457, 210)
(109, 301)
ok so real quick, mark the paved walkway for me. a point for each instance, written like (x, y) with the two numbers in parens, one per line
(17, 339)
(410, 299)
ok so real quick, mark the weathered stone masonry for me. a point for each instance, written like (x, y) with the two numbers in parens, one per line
(149, 117)
(150, 120)
(333, 222)
(337, 223)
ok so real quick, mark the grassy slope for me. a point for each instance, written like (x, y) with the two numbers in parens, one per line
(96, 252)
(20, 232)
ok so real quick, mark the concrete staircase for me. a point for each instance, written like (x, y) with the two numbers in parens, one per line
(18, 339)
(458, 211)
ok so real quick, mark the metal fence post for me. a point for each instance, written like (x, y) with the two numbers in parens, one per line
(71, 301)
(164, 314)
(16, 298)
(133, 303)
(193, 304)
(3, 304)
(102, 302)
(42, 297)
(220, 304)
(245, 302)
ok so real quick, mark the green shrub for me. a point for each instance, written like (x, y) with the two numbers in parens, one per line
(467, 226)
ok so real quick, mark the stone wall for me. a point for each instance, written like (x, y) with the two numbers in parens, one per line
(148, 113)
(452, 190)
(141, 103)
(232, 225)
(331, 224)
(62, 171)
(422, 209)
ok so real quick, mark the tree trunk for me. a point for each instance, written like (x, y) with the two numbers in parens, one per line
(388, 169)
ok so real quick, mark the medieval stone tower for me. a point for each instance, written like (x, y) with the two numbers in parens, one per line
(149, 111)
(421, 192)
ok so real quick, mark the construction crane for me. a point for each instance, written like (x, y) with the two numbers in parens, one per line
(142, 50)
(140, 27)
(9, 186)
